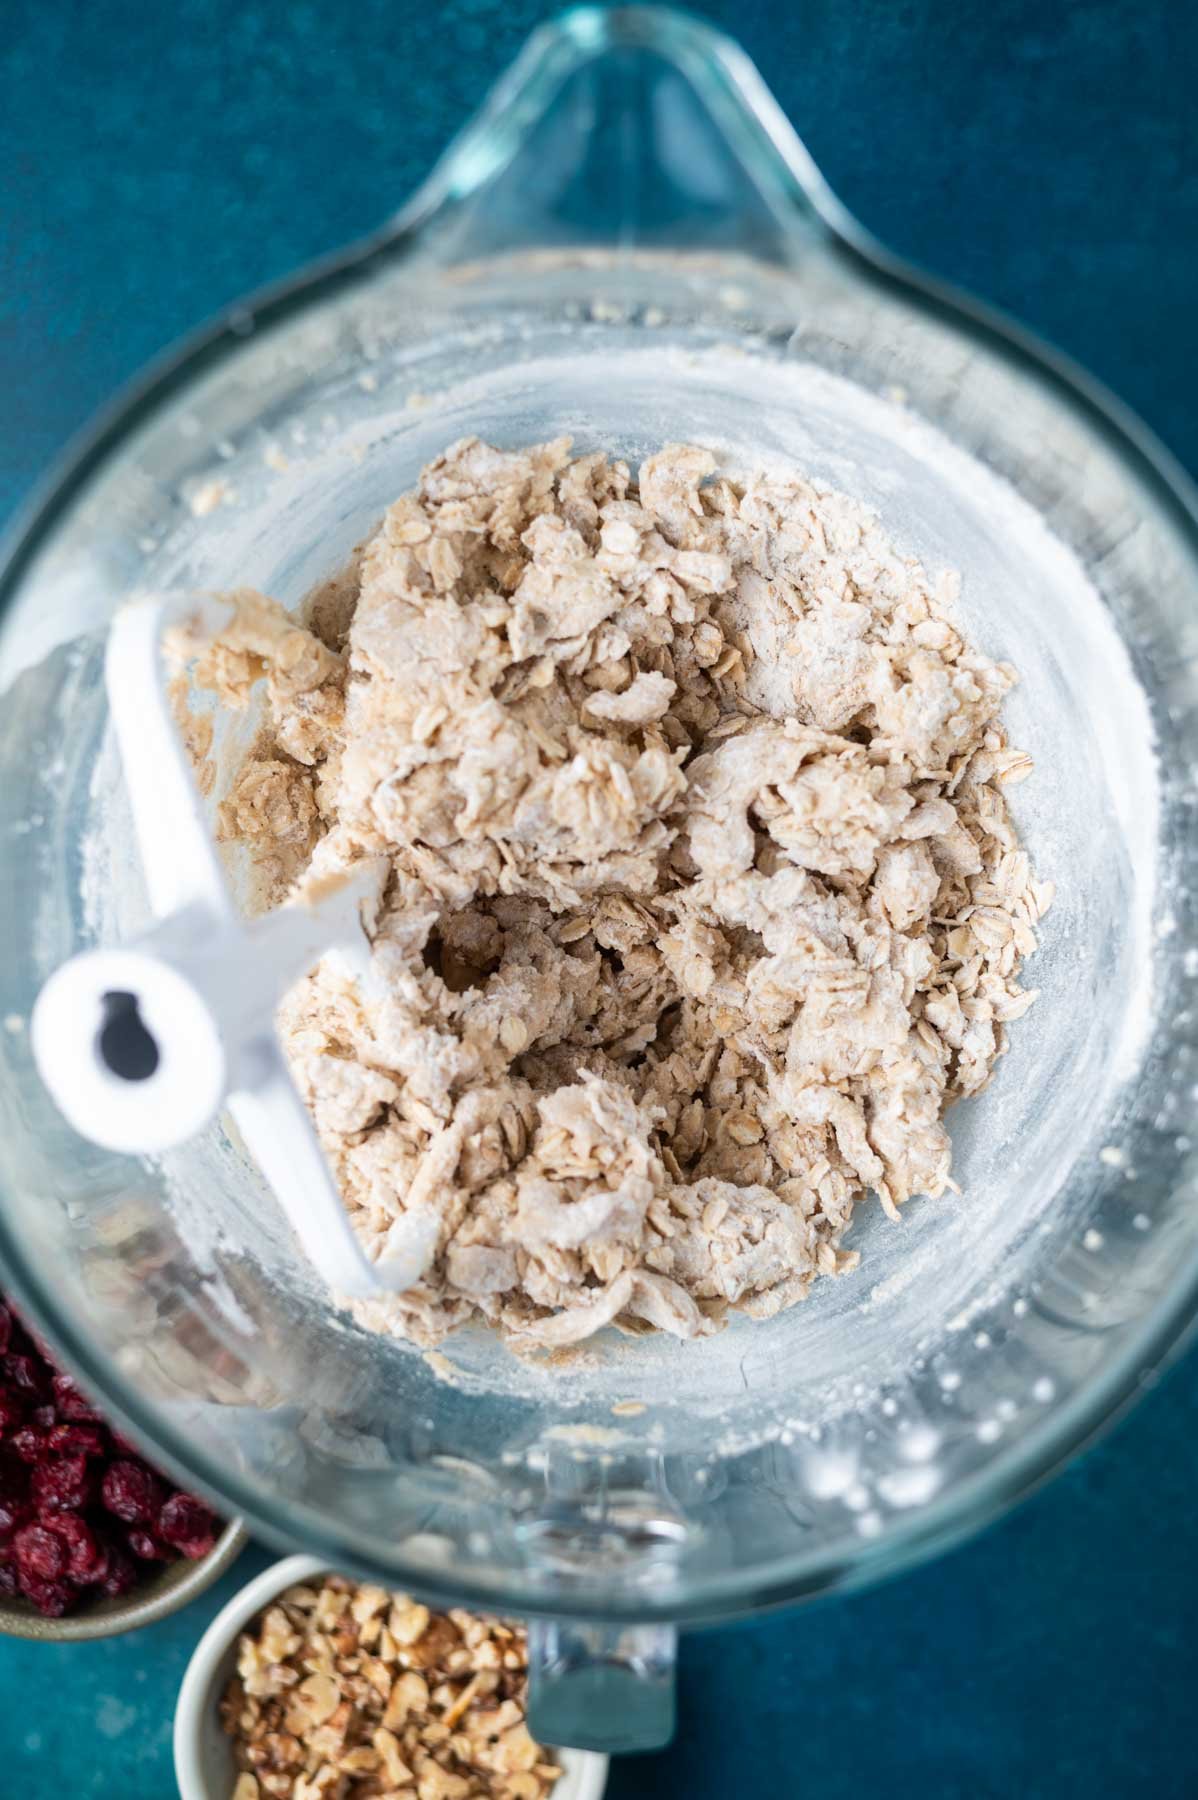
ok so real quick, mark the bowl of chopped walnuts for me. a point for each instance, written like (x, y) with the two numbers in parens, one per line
(310, 1684)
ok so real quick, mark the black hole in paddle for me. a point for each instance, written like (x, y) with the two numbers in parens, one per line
(126, 1048)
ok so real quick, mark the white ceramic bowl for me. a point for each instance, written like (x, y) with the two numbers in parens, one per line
(204, 1765)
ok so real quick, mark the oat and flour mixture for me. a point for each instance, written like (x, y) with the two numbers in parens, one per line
(700, 899)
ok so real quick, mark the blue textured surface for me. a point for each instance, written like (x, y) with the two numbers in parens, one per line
(158, 161)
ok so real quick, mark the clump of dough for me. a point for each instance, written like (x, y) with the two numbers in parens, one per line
(704, 902)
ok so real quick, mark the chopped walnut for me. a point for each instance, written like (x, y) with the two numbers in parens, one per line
(704, 900)
(441, 1716)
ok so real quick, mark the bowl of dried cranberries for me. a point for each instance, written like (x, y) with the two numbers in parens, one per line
(93, 1539)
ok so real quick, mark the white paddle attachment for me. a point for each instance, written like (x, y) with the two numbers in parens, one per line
(143, 1045)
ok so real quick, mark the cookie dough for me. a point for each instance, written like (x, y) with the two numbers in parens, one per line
(702, 902)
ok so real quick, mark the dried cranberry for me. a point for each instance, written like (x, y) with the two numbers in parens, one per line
(71, 1403)
(188, 1525)
(14, 1478)
(82, 1440)
(28, 1373)
(143, 1543)
(13, 1514)
(132, 1491)
(64, 1484)
(88, 1557)
(28, 1443)
(52, 1598)
(121, 1573)
(54, 1465)
(41, 1552)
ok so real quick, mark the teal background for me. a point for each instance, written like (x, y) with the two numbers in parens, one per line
(156, 160)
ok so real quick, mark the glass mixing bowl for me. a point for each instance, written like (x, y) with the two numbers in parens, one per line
(630, 245)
